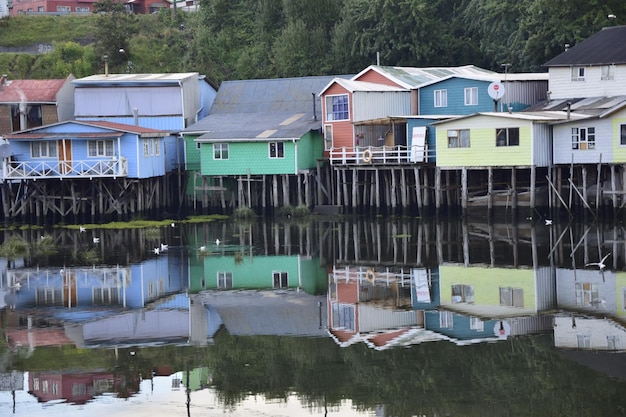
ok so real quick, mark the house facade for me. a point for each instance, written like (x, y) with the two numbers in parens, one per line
(26, 104)
(59, 7)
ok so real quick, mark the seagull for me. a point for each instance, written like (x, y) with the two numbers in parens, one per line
(172, 224)
(17, 286)
(217, 242)
(202, 248)
(156, 251)
(548, 222)
(600, 264)
(96, 240)
(82, 229)
(164, 247)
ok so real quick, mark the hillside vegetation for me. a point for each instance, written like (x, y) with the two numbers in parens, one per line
(243, 39)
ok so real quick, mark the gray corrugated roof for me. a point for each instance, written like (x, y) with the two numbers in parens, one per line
(247, 107)
(607, 46)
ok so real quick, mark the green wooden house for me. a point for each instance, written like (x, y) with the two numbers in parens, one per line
(260, 144)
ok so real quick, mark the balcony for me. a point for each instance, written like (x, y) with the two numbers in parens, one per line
(89, 168)
(381, 155)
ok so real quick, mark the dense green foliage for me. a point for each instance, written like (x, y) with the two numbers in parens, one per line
(242, 39)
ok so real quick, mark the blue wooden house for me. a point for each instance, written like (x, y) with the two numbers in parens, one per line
(80, 149)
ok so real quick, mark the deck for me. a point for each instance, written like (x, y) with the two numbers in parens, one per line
(381, 155)
(90, 168)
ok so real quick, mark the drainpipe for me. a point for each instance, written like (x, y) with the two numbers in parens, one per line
(569, 109)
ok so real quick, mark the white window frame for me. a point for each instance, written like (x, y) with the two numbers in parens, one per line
(100, 148)
(334, 107)
(584, 138)
(44, 149)
(471, 96)
(608, 72)
(458, 138)
(224, 279)
(276, 150)
(462, 293)
(441, 98)
(156, 146)
(511, 297)
(477, 324)
(220, 151)
(343, 316)
(66, 9)
(507, 135)
(146, 148)
(578, 73)
(328, 137)
(280, 279)
(446, 319)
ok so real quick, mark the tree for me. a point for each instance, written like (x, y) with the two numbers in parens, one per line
(114, 31)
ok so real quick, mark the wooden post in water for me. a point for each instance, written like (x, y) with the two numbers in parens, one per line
(437, 189)
(418, 189)
(355, 190)
(490, 192)
(514, 190)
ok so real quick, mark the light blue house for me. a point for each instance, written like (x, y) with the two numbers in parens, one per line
(81, 149)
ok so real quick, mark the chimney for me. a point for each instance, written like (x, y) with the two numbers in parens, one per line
(569, 109)
(314, 111)
(4, 80)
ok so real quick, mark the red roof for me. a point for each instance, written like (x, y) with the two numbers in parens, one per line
(31, 91)
(121, 126)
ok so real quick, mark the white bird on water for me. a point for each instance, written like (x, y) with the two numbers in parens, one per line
(600, 264)
(202, 248)
(96, 240)
(217, 242)
(548, 222)
(156, 251)
(164, 247)
(82, 229)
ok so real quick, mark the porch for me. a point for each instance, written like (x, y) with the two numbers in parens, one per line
(91, 168)
(381, 155)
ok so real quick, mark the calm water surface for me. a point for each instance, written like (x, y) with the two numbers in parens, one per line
(348, 317)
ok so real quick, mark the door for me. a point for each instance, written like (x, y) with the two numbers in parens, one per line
(65, 156)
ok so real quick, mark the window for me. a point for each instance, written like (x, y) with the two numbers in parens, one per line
(44, 386)
(608, 72)
(578, 73)
(587, 294)
(471, 96)
(477, 324)
(55, 388)
(612, 343)
(224, 279)
(156, 146)
(49, 296)
(459, 138)
(146, 148)
(511, 297)
(277, 149)
(507, 136)
(79, 389)
(280, 279)
(40, 9)
(328, 136)
(99, 148)
(66, 9)
(82, 9)
(462, 293)
(220, 151)
(43, 149)
(33, 117)
(198, 145)
(343, 316)
(583, 138)
(446, 319)
(441, 98)
(584, 341)
(35, 384)
(622, 134)
(106, 296)
(337, 107)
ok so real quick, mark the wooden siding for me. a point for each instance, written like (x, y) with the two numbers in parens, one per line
(343, 131)
(310, 148)
(257, 273)
(373, 105)
(541, 145)
(247, 157)
(562, 87)
(372, 76)
(483, 151)
(192, 153)
(456, 97)
(603, 152)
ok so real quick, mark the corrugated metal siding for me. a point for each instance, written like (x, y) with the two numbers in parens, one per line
(525, 93)
(545, 288)
(373, 105)
(542, 144)
(531, 325)
(112, 101)
(372, 319)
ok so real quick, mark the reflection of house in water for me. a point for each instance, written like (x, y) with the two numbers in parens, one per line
(78, 388)
(268, 312)
(131, 286)
(252, 271)
(375, 306)
(178, 319)
(590, 290)
(591, 333)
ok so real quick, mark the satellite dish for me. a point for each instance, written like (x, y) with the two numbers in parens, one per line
(5, 150)
(495, 90)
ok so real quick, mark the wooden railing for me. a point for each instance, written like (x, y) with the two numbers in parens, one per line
(381, 155)
(86, 168)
